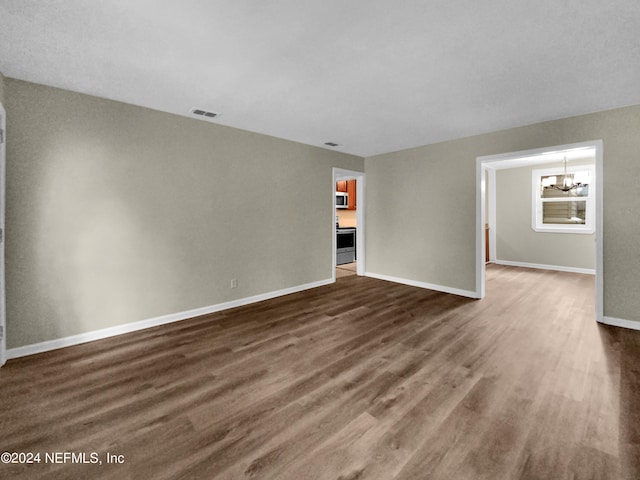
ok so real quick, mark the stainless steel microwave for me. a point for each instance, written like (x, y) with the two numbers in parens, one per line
(342, 200)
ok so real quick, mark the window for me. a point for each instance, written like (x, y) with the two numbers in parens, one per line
(559, 211)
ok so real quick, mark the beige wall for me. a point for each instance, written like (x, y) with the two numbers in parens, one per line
(516, 241)
(117, 213)
(1, 89)
(427, 233)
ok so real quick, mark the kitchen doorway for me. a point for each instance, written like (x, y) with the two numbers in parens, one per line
(486, 201)
(353, 227)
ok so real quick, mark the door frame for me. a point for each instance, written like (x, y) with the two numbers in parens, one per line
(482, 169)
(360, 177)
(3, 315)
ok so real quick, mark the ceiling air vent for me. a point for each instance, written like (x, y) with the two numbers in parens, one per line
(204, 113)
(331, 144)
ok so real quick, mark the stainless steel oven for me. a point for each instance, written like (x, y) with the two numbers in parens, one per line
(345, 245)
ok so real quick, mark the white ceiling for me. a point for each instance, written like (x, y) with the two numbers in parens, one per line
(371, 75)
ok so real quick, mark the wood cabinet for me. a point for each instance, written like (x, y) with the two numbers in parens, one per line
(349, 187)
(351, 191)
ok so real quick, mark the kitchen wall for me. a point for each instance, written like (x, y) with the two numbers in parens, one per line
(516, 241)
(117, 213)
(427, 233)
(346, 218)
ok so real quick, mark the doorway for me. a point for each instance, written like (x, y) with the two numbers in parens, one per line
(340, 175)
(486, 200)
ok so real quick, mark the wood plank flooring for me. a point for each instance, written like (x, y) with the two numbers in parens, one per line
(363, 379)
(346, 269)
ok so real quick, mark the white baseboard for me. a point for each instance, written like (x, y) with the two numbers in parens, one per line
(588, 271)
(430, 286)
(620, 322)
(153, 322)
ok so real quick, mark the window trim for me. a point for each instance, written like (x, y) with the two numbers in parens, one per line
(536, 204)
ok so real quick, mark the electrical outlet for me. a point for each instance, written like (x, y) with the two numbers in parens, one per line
(234, 283)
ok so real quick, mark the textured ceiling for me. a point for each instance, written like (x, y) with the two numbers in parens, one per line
(373, 76)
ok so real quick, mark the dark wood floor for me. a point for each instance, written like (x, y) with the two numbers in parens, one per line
(363, 379)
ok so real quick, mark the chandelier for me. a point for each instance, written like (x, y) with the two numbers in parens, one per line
(571, 181)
